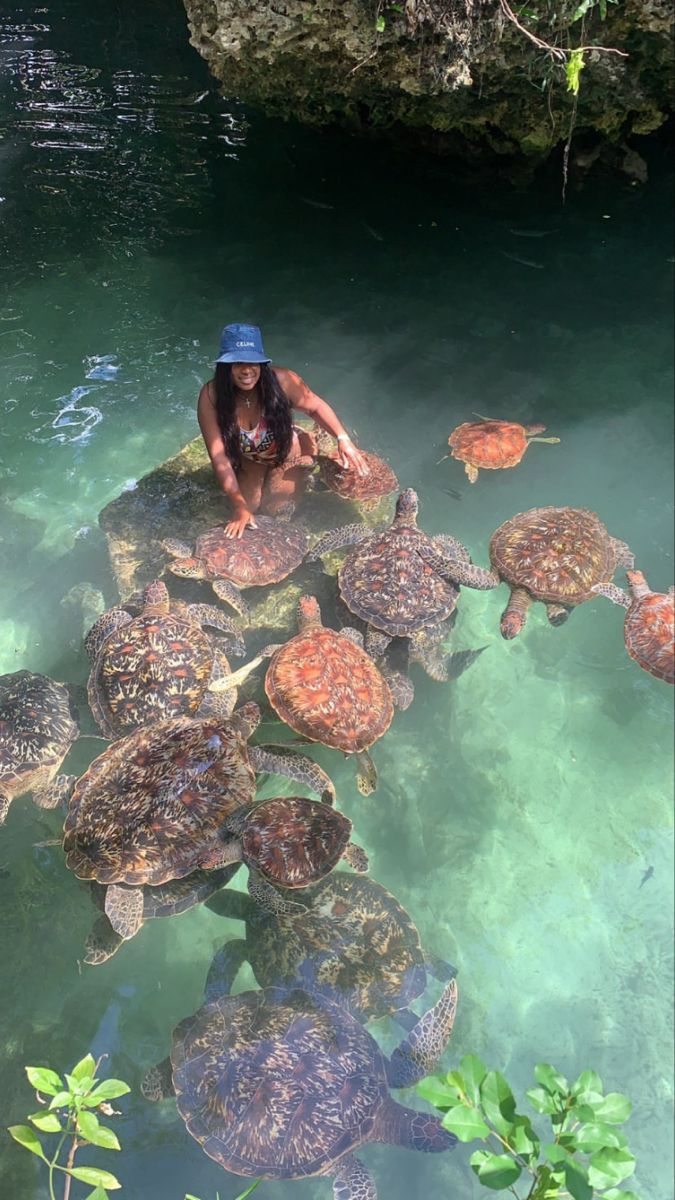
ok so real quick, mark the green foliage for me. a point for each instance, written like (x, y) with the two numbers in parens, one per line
(586, 1155)
(241, 1196)
(573, 68)
(71, 1117)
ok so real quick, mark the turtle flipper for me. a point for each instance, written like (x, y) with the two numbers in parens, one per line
(236, 677)
(458, 570)
(210, 615)
(624, 554)
(450, 546)
(102, 942)
(613, 593)
(352, 1181)
(54, 793)
(357, 858)
(124, 909)
(366, 773)
(515, 614)
(439, 968)
(418, 1054)
(224, 968)
(218, 702)
(157, 1083)
(557, 614)
(5, 802)
(269, 898)
(401, 688)
(415, 1130)
(227, 591)
(295, 766)
(376, 642)
(101, 630)
(346, 535)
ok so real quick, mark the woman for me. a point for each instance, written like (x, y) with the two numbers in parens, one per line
(244, 412)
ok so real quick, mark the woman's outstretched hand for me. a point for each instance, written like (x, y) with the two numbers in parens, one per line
(351, 458)
(235, 528)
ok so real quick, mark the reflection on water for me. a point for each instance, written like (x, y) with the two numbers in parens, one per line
(520, 806)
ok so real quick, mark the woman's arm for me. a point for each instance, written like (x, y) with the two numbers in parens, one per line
(222, 467)
(307, 401)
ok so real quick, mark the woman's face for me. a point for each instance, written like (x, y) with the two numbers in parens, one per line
(245, 375)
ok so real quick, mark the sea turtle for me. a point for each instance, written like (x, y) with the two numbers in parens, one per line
(325, 686)
(265, 554)
(398, 579)
(286, 1084)
(166, 900)
(352, 941)
(556, 555)
(649, 627)
(157, 664)
(492, 445)
(38, 725)
(286, 842)
(151, 807)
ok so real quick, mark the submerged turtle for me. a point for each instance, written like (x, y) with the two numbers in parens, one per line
(399, 580)
(38, 725)
(151, 807)
(157, 664)
(166, 900)
(649, 627)
(353, 941)
(265, 554)
(493, 445)
(281, 1084)
(286, 842)
(556, 555)
(363, 490)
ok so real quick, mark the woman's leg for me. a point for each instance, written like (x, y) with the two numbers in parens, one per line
(251, 480)
(284, 484)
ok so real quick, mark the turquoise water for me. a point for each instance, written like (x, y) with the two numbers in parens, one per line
(519, 806)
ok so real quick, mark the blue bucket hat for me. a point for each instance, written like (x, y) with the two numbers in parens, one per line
(241, 343)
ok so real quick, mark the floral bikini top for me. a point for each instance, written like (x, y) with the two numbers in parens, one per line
(258, 444)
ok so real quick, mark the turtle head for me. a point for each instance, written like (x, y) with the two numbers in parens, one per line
(531, 430)
(638, 583)
(406, 507)
(155, 595)
(511, 623)
(309, 612)
(246, 719)
(186, 568)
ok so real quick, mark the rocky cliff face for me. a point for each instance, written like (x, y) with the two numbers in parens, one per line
(458, 73)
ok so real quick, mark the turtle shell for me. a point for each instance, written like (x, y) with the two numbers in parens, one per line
(37, 728)
(380, 480)
(144, 809)
(354, 941)
(556, 554)
(649, 630)
(263, 555)
(490, 445)
(159, 665)
(386, 583)
(329, 690)
(293, 841)
(275, 1085)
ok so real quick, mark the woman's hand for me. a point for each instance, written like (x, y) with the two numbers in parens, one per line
(235, 528)
(351, 458)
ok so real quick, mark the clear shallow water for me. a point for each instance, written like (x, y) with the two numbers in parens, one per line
(520, 806)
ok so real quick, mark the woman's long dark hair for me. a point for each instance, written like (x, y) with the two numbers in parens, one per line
(276, 409)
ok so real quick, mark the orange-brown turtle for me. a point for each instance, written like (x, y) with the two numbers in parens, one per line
(38, 725)
(555, 555)
(649, 627)
(489, 445)
(366, 489)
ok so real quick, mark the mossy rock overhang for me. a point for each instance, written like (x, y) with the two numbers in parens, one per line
(458, 75)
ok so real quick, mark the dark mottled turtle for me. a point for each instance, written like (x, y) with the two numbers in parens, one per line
(649, 627)
(167, 900)
(38, 725)
(399, 580)
(352, 941)
(556, 555)
(364, 490)
(266, 554)
(286, 842)
(151, 807)
(157, 664)
(493, 445)
(282, 1084)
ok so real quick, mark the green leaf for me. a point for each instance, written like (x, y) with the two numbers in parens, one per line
(474, 1072)
(97, 1194)
(576, 1181)
(46, 1122)
(609, 1166)
(89, 1127)
(556, 1153)
(552, 1080)
(467, 1123)
(596, 1135)
(614, 1108)
(499, 1105)
(495, 1171)
(380, 23)
(110, 1089)
(25, 1136)
(581, 1112)
(581, 10)
(44, 1080)
(94, 1176)
(573, 69)
(437, 1092)
(243, 1195)
(588, 1081)
(542, 1101)
(523, 1139)
(84, 1068)
(60, 1100)
(619, 1194)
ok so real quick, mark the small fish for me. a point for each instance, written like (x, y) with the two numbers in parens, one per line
(316, 203)
(198, 99)
(647, 875)
(449, 491)
(526, 262)
(531, 233)
(373, 232)
(49, 842)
